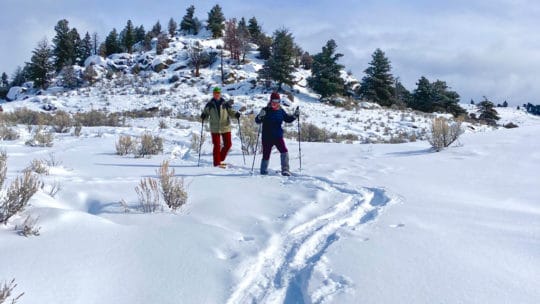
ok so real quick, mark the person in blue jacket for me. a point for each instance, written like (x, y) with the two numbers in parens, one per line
(272, 117)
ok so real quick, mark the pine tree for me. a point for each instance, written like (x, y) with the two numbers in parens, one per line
(156, 29)
(19, 77)
(63, 49)
(40, 66)
(69, 77)
(172, 27)
(112, 45)
(423, 96)
(255, 30)
(85, 49)
(128, 37)
(326, 72)
(216, 21)
(5, 80)
(376, 86)
(189, 23)
(265, 47)
(445, 100)
(402, 95)
(488, 112)
(139, 34)
(76, 50)
(279, 67)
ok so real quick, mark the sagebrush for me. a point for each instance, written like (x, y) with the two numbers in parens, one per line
(443, 133)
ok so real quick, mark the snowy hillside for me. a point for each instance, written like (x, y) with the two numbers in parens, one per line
(145, 80)
(360, 223)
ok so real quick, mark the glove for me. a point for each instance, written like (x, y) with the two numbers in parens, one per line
(204, 116)
(297, 112)
(262, 113)
(237, 115)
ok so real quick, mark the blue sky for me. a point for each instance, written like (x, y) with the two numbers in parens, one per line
(479, 47)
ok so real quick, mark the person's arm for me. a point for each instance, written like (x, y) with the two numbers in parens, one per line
(260, 117)
(287, 117)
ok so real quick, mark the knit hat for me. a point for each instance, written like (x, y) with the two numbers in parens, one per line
(275, 97)
(217, 90)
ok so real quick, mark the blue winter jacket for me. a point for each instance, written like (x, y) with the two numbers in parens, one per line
(272, 121)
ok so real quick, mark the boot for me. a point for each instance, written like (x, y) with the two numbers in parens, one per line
(264, 166)
(285, 164)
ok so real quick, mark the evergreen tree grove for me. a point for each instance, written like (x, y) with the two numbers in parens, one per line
(326, 72)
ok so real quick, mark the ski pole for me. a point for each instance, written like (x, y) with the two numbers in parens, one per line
(299, 139)
(201, 142)
(256, 145)
(241, 141)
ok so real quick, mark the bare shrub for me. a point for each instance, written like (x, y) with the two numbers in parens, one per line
(172, 188)
(52, 161)
(124, 145)
(77, 130)
(311, 133)
(29, 227)
(17, 196)
(3, 167)
(149, 145)
(249, 134)
(163, 124)
(61, 122)
(8, 133)
(6, 292)
(40, 138)
(55, 188)
(37, 166)
(96, 118)
(148, 194)
(443, 134)
(196, 141)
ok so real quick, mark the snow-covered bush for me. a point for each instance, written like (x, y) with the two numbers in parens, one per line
(443, 134)
(38, 166)
(3, 167)
(148, 194)
(8, 133)
(249, 134)
(29, 227)
(96, 118)
(149, 145)
(6, 291)
(196, 143)
(124, 145)
(40, 138)
(172, 188)
(61, 122)
(17, 195)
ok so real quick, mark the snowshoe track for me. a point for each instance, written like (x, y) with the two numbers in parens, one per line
(281, 272)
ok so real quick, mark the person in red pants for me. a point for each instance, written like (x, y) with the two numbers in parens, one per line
(219, 113)
(272, 117)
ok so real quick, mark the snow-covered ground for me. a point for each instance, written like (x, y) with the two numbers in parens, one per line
(359, 224)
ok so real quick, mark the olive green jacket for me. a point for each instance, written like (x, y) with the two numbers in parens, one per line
(219, 116)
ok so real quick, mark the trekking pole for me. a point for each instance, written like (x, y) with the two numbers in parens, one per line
(299, 139)
(256, 145)
(201, 142)
(241, 141)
